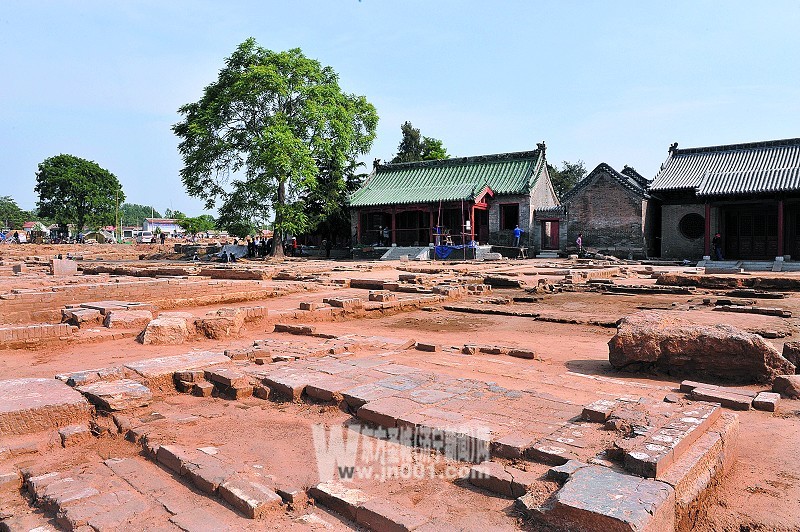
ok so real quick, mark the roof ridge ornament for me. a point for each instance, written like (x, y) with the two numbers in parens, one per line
(541, 147)
(673, 148)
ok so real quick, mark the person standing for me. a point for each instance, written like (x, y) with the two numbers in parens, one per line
(517, 236)
(163, 237)
(579, 243)
(386, 235)
(716, 242)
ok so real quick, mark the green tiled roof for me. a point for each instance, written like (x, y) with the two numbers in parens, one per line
(450, 179)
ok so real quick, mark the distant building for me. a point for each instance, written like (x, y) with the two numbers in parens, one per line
(614, 212)
(481, 198)
(168, 226)
(749, 193)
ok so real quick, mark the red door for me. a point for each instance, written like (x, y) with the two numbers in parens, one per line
(549, 234)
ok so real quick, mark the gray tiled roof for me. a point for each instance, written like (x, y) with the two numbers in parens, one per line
(628, 178)
(754, 168)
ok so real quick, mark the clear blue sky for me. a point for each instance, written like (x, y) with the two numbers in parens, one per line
(608, 81)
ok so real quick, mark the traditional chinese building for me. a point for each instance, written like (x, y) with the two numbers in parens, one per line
(749, 193)
(456, 201)
(613, 211)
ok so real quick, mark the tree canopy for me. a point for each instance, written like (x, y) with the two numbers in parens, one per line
(11, 215)
(195, 224)
(263, 133)
(134, 214)
(567, 176)
(76, 191)
(416, 147)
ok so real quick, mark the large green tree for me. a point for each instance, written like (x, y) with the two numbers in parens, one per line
(566, 177)
(76, 191)
(134, 214)
(263, 132)
(11, 215)
(196, 224)
(416, 147)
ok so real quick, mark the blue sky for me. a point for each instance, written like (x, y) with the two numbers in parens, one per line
(611, 81)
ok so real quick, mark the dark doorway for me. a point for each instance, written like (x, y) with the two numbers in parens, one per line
(550, 234)
(751, 232)
(482, 225)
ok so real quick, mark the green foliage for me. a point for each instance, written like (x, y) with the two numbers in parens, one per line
(259, 137)
(11, 215)
(195, 224)
(415, 147)
(567, 177)
(133, 214)
(77, 191)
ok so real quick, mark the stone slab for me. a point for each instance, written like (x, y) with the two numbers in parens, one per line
(117, 395)
(387, 516)
(599, 411)
(767, 401)
(728, 400)
(597, 498)
(384, 412)
(32, 405)
(339, 498)
(154, 368)
(253, 499)
(501, 479)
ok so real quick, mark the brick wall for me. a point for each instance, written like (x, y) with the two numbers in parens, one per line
(674, 244)
(505, 237)
(610, 217)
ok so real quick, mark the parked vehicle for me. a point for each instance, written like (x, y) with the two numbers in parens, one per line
(146, 237)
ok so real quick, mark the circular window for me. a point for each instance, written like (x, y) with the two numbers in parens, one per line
(692, 226)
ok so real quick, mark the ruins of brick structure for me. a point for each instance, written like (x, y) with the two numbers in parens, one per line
(395, 395)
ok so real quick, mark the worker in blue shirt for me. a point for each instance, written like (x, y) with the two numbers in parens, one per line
(517, 235)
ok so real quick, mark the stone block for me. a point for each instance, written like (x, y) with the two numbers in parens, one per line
(63, 267)
(34, 405)
(10, 481)
(360, 395)
(206, 472)
(310, 305)
(339, 498)
(74, 434)
(387, 516)
(127, 319)
(81, 316)
(597, 498)
(766, 401)
(528, 354)
(728, 400)
(431, 348)
(787, 386)
(227, 377)
(174, 457)
(166, 331)
(561, 473)
(202, 389)
(253, 499)
(599, 411)
(117, 395)
(198, 520)
(513, 445)
(384, 412)
(299, 329)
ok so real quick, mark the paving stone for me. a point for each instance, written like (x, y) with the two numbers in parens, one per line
(140, 474)
(431, 348)
(401, 383)
(117, 395)
(689, 386)
(360, 395)
(289, 385)
(74, 434)
(384, 412)
(154, 368)
(174, 457)
(253, 499)
(597, 498)
(206, 472)
(503, 480)
(513, 444)
(33, 405)
(599, 411)
(10, 480)
(339, 498)
(728, 400)
(428, 397)
(127, 319)
(766, 401)
(387, 516)
(329, 388)
(198, 520)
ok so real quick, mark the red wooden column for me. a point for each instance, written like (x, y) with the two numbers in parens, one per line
(358, 227)
(472, 222)
(394, 225)
(707, 243)
(780, 228)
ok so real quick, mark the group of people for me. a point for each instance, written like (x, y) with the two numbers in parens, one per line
(258, 247)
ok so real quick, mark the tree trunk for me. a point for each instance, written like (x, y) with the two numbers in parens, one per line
(277, 234)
